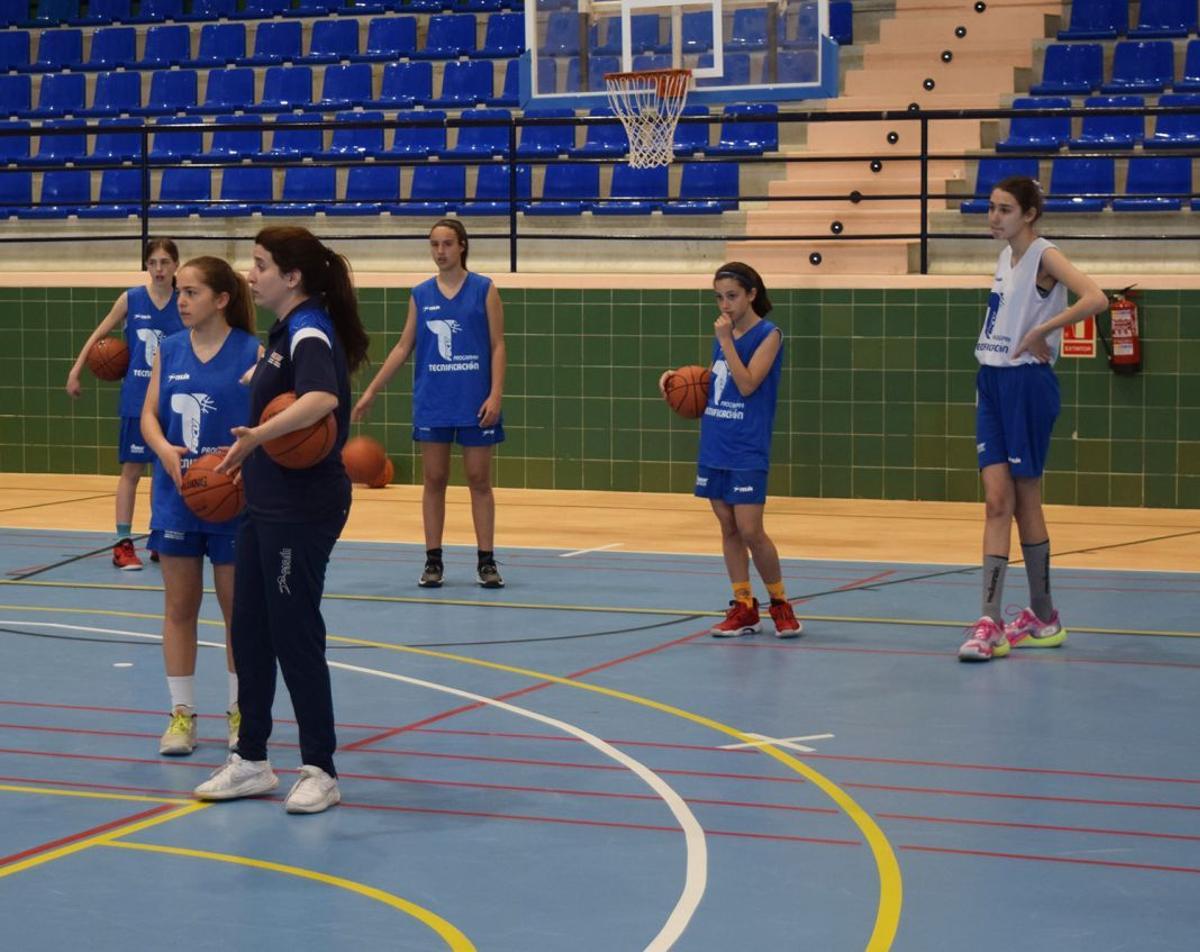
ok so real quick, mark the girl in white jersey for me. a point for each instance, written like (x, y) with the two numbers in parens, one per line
(1017, 404)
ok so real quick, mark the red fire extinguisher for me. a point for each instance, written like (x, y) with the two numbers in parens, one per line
(1125, 348)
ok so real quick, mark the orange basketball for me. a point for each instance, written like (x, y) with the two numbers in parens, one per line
(301, 448)
(108, 358)
(364, 459)
(212, 496)
(687, 390)
(384, 477)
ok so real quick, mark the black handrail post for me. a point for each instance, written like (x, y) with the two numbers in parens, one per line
(924, 195)
(512, 196)
(145, 136)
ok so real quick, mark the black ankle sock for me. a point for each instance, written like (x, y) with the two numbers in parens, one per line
(434, 555)
(484, 556)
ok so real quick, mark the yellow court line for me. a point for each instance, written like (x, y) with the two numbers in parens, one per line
(91, 795)
(453, 938)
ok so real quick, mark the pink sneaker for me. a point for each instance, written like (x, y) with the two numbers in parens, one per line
(985, 641)
(1029, 631)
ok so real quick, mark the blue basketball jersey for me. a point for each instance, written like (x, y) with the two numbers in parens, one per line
(452, 370)
(198, 404)
(145, 328)
(735, 431)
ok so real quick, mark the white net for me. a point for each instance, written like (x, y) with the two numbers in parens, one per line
(648, 104)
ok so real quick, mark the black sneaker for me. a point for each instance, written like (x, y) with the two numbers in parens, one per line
(432, 576)
(489, 575)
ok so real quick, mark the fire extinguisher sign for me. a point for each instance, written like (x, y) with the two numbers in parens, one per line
(1079, 340)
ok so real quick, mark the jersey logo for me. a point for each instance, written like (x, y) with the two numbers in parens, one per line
(995, 299)
(720, 371)
(150, 339)
(191, 406)
(444, 331)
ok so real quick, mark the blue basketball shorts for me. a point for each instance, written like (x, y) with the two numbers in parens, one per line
(131, 448)
(1014, 416)
(219, 547)
(737, 487)
(462, 435)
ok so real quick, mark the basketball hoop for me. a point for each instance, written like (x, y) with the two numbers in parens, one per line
(649, 103)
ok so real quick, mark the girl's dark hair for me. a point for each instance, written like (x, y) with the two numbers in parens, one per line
(161, 244)
(324, 274)
(222, 279)
(1025, 190)
(749, 279)
(459, 229)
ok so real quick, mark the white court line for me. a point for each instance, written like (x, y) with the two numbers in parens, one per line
(695, 845)
(599, 548)
(789, 742)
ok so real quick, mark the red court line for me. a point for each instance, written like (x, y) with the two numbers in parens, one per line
(1042, 798)
(1051, 859)
(84, 834)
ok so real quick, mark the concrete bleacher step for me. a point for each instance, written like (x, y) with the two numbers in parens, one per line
(870, 138)
(876, 218)
(837, 257)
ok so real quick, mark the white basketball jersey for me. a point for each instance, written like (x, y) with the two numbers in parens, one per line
(1017, 305)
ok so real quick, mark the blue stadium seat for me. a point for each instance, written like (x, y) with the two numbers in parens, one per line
(1097, 20)
(333, 41)
(291, 144)
(634, 191)
(171, 91)
(1149, 181)
(748, 137)
(58, 50)
(562, 34)
(795, 66)
(158, 11)
(166, 46)
(355, 143)
(389, 39)
(597, 67)
(1165, 18)
(276, 43)
(120, 195)
(466, 83)
(418, 141)
(263, 9)
(100, 12)
(244, 191)
(510, 95)
(602, 140)
(116, 94)
(54, 12)
(227, 90)
(404, 85)
(370, 190)
(482, 6)
(737, 70)
(59, 149)
(424, 6)
(205, 11)
(14, 49)
(285, 89)
(14, 148)
(480, 141)
(493, 189)
(170, 147)
(801, 26)
(64, 192)
(691, 137)
(697, 32)
(436, 189)
(1071, 69)
(991, 171)
(1141, 66)
(13, 12)
(546, 141)
(113, 47)
(1111, 132)
(1037, 133)
(643, 35)
(706, 188)
(749, 31)
(220, 45)
(450, 35)
(318, 8)
(61, 95)
(234, 145)
(1074, 183)
(182, 192)
(841, 22)
(117, 141)
(1190, 83)
(648, 61)
(504, 35)
(16, 192)
(345, 85)
(1181, 131)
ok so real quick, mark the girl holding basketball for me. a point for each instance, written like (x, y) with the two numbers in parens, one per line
(149, 313)
(294, 516)
(1017, 403)
(735, 446)
(194, 397)
(455, 325)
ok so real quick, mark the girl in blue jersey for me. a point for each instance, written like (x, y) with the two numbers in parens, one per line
(735, 446)
(293, 516)
(149, 314)
(1017, 404)
(195, 396)
(455, 325)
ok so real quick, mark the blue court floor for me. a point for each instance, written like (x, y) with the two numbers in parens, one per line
(572, 763)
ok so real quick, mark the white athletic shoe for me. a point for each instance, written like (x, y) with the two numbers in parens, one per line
(314, 792)
(179, 739)
(238, 778)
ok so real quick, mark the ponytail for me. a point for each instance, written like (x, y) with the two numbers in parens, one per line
(222, 279)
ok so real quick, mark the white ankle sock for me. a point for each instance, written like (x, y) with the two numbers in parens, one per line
(183, 691)
(233, 689)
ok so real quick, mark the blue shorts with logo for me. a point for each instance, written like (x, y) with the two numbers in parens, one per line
(219, 547)
(1014, 417)
(462, 435)
(131, 448)
(737, 487)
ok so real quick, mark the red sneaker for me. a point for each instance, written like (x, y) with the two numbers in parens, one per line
(125, 556)
(787, 625)
(739, 620)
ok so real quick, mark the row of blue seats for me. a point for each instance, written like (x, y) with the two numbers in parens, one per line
(1102, 19)
(1087, 185)
(116, 141)
(1051, 133)
(1148, 67)
(568, 189)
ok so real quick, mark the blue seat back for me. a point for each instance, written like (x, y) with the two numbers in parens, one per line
(221, 43)
(232, 88)
(749, 29)
(185, 185)
(113, 46)
(597, 67)
(155, 11)
(439, 183)
(489, 140)
(16, 189)
(395, 36)
(298, 142)
(67, 146)
(212, 9)
(166, 145)
(1173, 17)
(172, 90)
(117, 92)
(795, 66)
(492, 183)
(993, 170)
(373, 183)
(14, 48)
(53, 12)
(643, 34)
(505, 34)
(1178, 128)
(1150, 61)
(547, 139)
(358, 141)
(691, 136)
(401, 80)
(1118, 129)
(251, 184)
(1078, 63)
(1099, 18)
(236, 143)
(309, 184)
(276, 42)
(709, 181)
(419, 140)
(346, 84)
(1040, 128)
(58, 49)
(697, 32)
(762, 136)
(337, 38)
(288, 87)
(737, 69)
(121, 186)
(13, 147)
(108, 11)
(167, 45)
(15, 92)
(453, 33)
(1071, 176)
(562, 34)
(67, 187)
(566, 181)
(1158, 176)
(468, 80)
(117, 145)
(639, 184)
(61, 93)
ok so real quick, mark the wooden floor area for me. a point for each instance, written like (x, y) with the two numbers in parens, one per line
(859, 530)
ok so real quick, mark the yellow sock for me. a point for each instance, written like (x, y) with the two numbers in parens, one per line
(743, 593)
(776, 591)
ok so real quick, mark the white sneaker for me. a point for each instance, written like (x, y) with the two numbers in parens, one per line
(233, 721)
(179, 739)
(238, 778)
(314, 792)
